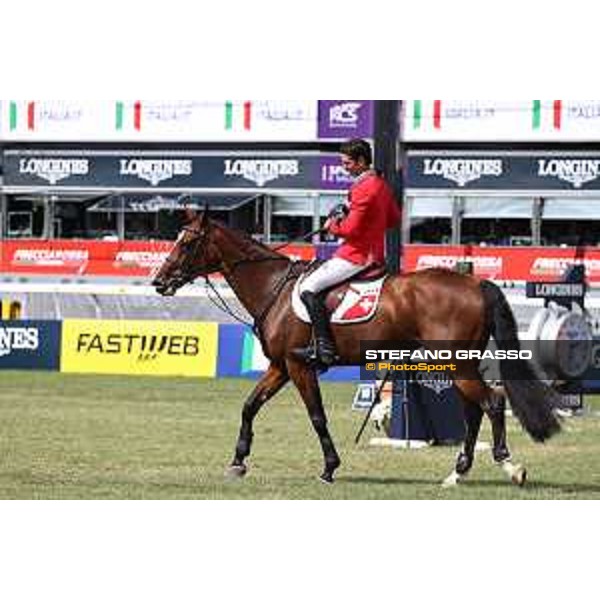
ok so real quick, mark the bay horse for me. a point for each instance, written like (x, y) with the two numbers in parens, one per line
(434, 304)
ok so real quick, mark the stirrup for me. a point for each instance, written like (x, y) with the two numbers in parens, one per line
(316, 357)
(326, 354)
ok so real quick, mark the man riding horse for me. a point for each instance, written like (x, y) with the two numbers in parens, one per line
(361, 223)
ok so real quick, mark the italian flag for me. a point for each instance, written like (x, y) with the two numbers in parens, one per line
(543, 114)
(238, 115)
(430, 109)
(540, 114)
(127, 112)
(21, 113)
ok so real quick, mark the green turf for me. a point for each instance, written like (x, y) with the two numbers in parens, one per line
(101, 437)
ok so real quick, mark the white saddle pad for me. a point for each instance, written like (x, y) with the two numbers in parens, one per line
(358, 305)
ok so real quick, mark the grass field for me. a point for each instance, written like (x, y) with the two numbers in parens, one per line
(109, 437)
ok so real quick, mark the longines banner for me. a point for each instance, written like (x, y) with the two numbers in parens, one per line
(501, 121)
(176, 170)
(30, 345)
(185, 120)
(503, 171)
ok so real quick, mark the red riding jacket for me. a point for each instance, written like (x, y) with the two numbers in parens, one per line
(373, 209)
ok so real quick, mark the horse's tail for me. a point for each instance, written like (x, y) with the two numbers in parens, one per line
(530, 398)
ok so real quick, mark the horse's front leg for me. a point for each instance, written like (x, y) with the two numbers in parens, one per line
(305, 379)
(268, 385)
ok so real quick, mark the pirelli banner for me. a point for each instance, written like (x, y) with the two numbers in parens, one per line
(172, 171)
(139, 347)
(513, 172)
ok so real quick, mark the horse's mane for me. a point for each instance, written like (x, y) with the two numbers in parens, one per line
(247, 243)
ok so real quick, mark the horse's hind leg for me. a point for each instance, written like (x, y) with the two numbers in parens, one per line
(495, 409)
(307, 383)
(480, 398)
(473, 414)
(268, 385)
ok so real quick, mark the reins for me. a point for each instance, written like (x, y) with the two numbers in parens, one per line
(299, 239)
(216, 297)
(256, 326)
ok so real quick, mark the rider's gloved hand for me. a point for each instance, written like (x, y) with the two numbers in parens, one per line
(338, 212)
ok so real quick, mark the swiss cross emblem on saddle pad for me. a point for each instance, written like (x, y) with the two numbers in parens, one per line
(353, 301)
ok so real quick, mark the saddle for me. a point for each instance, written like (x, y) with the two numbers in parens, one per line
(349, 302)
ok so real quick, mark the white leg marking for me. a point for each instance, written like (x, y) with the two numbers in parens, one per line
(452, 480)
(516, 473)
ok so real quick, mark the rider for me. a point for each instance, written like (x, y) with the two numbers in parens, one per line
(361, 223)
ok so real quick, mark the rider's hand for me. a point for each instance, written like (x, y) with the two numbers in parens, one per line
(338, 212)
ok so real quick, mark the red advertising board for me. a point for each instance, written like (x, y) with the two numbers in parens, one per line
(107, 259)
(72, 257)
(140, 259)
(515, 264)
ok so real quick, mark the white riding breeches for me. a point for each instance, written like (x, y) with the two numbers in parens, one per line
(331, 272)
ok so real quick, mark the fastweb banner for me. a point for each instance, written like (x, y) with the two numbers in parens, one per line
(139, 347)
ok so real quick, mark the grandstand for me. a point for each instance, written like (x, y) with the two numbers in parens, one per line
(513, 187)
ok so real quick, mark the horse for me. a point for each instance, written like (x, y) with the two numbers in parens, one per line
(432, 304)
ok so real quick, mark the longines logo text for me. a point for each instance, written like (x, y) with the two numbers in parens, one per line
(463, 170)
(437, 382)
(261, 171)
(576, 171)
(155, 170)
(54, 170)
(143, 346)
(18, 338)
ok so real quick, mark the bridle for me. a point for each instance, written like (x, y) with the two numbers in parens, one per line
(191, 251)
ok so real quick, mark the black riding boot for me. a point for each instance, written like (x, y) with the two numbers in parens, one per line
(323, 349)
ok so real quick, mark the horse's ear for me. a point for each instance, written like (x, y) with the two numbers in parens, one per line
(190, 215)
(204, 217)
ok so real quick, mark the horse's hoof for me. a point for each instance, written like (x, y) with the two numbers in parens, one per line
(236, 472)
(451, 481)
(327, 478)
(519, 477)
(516, 473)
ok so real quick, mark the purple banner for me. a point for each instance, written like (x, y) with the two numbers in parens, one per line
(345, 119)
(333, 175)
